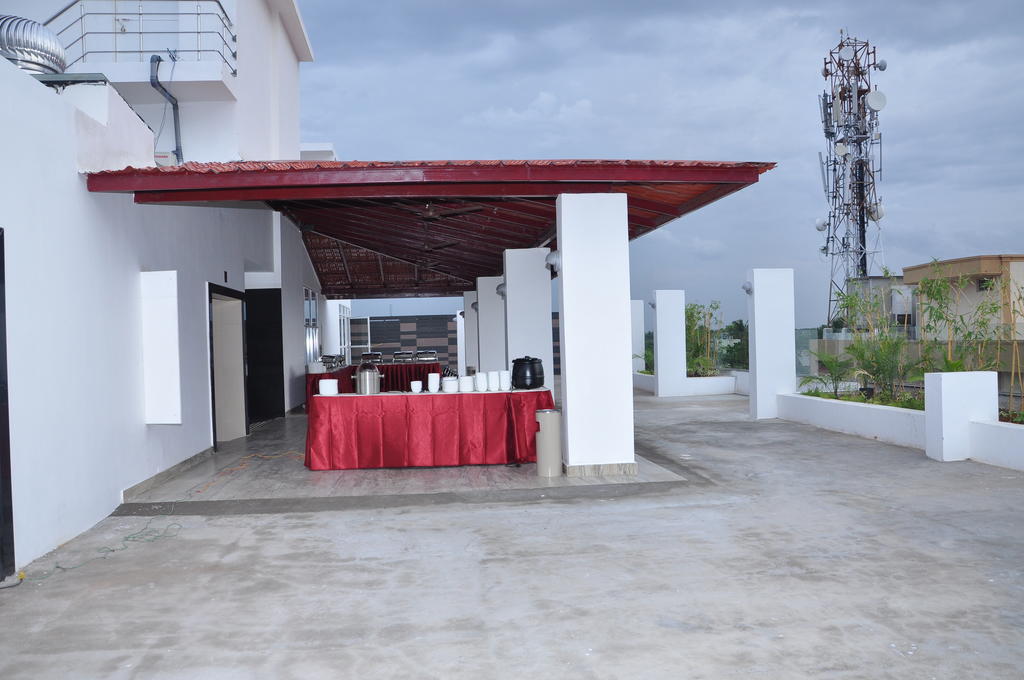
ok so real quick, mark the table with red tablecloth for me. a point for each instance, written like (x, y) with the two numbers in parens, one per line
(393, 377)
(422, 430)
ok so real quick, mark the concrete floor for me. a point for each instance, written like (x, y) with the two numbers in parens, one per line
(787, 552)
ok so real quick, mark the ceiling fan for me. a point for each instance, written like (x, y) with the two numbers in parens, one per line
(431, 212)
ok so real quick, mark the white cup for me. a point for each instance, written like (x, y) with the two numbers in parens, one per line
(329, 387)
(493, 381)
(505, 380)
(433, 382)
(416, 386)
(481, 382)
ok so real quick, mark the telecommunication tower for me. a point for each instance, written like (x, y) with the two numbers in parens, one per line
(851, 165)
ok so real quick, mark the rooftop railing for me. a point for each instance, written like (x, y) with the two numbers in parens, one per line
(130, 31)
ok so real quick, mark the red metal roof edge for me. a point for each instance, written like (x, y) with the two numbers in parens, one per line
(280, 166)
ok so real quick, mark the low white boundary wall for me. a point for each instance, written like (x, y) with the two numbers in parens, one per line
(742, 381)
(645, 382)
(891, 424)
(960, 421)
(999, 444)
(690, 387)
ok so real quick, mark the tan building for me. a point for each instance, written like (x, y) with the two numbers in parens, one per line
(990, 277)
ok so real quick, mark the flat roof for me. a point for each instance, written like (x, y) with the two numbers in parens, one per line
(430, 228)
(973, 265)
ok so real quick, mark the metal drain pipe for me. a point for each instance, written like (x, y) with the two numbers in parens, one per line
(154, 80)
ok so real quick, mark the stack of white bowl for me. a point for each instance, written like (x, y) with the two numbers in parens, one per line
(449, 385)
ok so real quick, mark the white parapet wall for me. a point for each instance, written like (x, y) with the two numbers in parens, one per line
(902, 426)
(999, 444)
(742, 381)
(644, 382)
(960, 420)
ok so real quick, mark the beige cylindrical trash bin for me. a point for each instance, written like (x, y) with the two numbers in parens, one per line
(549, 443)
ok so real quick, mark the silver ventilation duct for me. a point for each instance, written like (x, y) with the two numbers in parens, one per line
(30, 46)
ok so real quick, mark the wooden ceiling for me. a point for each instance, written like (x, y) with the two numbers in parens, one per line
(430, 228)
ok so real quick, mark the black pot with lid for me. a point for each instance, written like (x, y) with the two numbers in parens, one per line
(527, 373)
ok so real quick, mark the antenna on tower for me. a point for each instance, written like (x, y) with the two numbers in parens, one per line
(851, 165)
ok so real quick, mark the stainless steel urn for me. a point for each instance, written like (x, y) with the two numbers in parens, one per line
(367, 378)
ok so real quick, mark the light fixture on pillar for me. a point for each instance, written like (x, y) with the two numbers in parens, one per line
(475, 306)
(553, 261)
(500, 290)
(748, 287)
(654, 305)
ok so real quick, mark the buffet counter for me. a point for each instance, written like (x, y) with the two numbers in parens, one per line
(400, 430)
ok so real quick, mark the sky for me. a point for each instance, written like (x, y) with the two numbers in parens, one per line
(652, 79)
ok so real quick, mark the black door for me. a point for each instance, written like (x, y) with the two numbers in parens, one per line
(6, 504)
(265, 346)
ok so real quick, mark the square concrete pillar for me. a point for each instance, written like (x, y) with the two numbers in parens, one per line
(952, 401)
(669, 343)
(597, 381)
(460, 343)
(528, 309)
(772, 339)
(491, 324)
(636, 314)
(472, 330)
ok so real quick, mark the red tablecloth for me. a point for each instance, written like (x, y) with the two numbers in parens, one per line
(393, 377)
(420, 430)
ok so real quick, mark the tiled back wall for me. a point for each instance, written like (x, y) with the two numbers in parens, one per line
(427, 332)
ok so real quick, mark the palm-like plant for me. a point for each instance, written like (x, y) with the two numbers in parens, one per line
(837, 371)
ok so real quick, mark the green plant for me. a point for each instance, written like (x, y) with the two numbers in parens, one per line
(837, 371)
(879, 349)
(703, 330)
(959, 336)
(737, 354)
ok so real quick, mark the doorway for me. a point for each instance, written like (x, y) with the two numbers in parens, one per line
(6, 499)
(227, 364)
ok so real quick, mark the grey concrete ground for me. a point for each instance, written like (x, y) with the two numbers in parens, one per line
(788, 552)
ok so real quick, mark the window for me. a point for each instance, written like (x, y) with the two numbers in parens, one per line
(312, 328)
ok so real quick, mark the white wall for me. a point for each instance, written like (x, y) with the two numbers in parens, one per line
(901, 426)
(999, 444)
(528, 309)
(491, 324)
(253, 115)
(636, 333)
(472, 329)
(296, 273)
(60, 241)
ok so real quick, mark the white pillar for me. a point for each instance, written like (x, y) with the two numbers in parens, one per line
(491, 322)
(594, 327)
(636, 314)
(460, 343)
(772, 339)
(952, 401)
(528, 308)
(472, 334)
(331, 326)
(669, 343)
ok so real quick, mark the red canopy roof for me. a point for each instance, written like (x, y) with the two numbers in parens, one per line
(424, 228)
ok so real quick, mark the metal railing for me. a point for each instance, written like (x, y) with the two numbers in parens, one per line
(132, 30)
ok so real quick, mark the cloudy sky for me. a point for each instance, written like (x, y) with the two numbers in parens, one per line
(669, 79)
